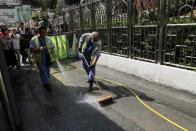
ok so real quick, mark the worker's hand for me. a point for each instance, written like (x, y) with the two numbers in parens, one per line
(43, 47)
(91, 66)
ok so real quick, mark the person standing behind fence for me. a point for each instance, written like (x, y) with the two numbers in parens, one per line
(7, 45)
(16, 45)
(51, 30)
(28, 36)
(1, 34)
(23, 43)
(43, 51)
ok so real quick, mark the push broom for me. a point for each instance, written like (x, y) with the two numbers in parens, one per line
(105, 100)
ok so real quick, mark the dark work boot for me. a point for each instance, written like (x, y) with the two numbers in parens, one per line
(90, 86)
(48, 87)
(88, 81)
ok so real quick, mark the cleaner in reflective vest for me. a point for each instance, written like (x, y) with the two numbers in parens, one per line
(91, 52)
(43, 51)
(84, 38)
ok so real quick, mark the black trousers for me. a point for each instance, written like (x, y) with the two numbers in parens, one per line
(23, 50)
(10, 57)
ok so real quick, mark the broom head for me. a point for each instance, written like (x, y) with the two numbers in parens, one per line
(105, 101)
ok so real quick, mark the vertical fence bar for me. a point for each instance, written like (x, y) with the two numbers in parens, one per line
(57, 46)
(162, 30)
(4, 121)
(109, 23)
(130, 25)
(92, 9)
(64, 21)
(10, 103)
(81, 19)
(71, 20)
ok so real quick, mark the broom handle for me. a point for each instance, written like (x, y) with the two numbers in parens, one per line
(93, 76)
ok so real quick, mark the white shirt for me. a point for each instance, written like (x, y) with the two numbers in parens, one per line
(16, 41)
(22, 31)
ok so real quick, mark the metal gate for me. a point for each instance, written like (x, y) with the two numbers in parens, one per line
(119, 37)
(158, 31)
(145, 30)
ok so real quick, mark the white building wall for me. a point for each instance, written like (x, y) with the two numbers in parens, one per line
(174, 77)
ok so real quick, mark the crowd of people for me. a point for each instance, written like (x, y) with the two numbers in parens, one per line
(15, 43)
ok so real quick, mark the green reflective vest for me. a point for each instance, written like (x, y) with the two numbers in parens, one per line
(37, 55)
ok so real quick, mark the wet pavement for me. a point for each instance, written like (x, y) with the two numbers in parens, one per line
(69, 107)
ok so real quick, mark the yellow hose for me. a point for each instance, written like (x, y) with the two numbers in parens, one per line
(142, 102)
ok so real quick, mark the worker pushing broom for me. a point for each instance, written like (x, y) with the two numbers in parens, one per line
(89, 48)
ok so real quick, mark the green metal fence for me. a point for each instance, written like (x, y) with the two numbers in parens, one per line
(158, 31)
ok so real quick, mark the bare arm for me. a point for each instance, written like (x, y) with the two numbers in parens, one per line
(94, 61)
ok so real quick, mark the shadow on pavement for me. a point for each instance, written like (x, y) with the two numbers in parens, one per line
(60, 110)
(122, 92)
(119, 91)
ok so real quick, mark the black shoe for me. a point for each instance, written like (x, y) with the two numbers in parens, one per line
(90, 87)
(48, 87)
(89, 81)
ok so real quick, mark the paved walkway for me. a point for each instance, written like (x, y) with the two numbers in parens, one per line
(70, 108)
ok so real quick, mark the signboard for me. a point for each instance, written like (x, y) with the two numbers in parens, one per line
(17, 14)
(8, 16)
(23, 13)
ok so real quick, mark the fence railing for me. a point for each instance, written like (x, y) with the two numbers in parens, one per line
(158, 31)
(7, 100)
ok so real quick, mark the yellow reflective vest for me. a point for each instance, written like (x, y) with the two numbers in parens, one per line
(50, 47)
